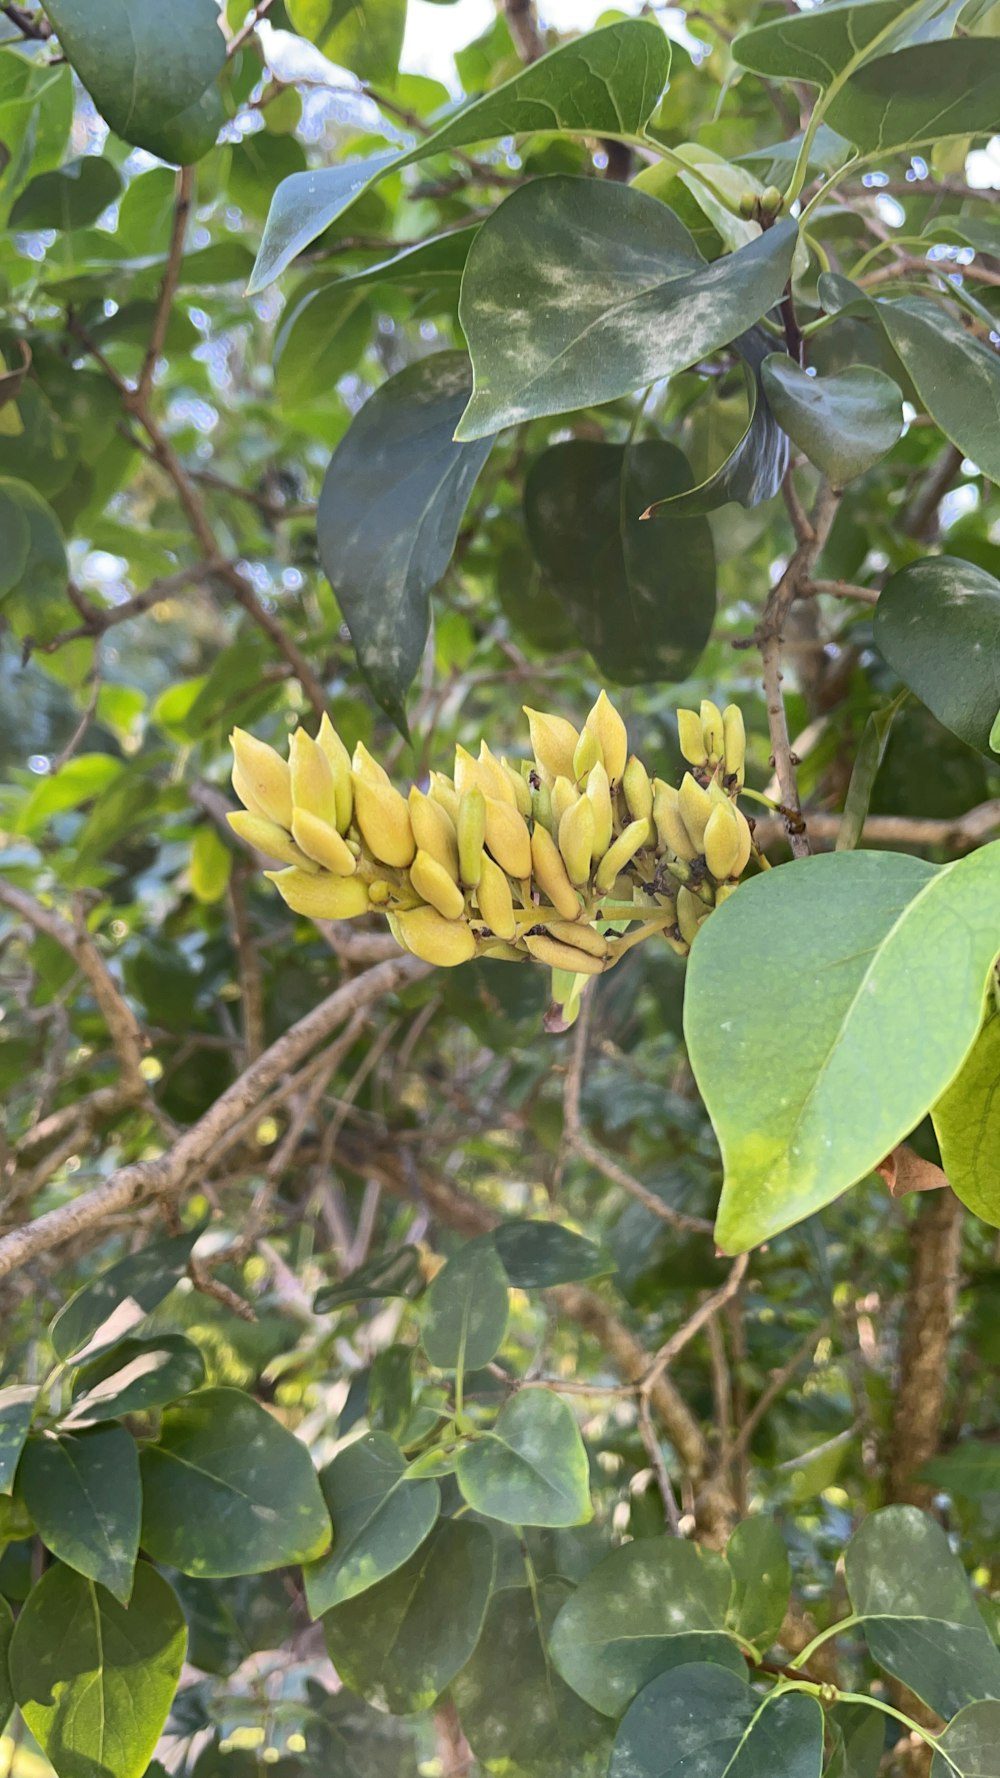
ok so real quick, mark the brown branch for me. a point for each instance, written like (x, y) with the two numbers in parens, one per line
(972, 829)
(29, 24)
(248, 965)
(762, 1406)
(919, 516)
(168, 289)
(682, 1336)
(246, 31)
(840, 589)
(579, 1144)
(651, 1444)
(96, 620)
(928, 1318)
(523, 26)
(170, 1172)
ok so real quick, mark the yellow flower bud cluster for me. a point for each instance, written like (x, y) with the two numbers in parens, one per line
(570, 857)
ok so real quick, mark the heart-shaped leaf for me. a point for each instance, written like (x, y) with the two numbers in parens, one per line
(465, 1317)
(94, 1679)
(531, 1468)
(921, 94)
(577, 293)
(970, 1745)
(400, 1643)
(389, 513)
(379, 1518)
(754, 469)
(648, 1606)
(921, 1621)
(845, 423)
(967, 1124)
(815, 1069)
(536, 1255)
(17, 1405)
(937, 623)
(227, 1490)
(705, 1720)
(82, 1491)
(641, 596)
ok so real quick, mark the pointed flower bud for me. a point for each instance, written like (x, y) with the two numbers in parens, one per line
(320, 896)
(433, 884)
(445, 943)
(321, 842)
(735, 742)
(266, 836)
(605, 722)
(313, 787)
(691, 737)
(433, 830)
(586, 753)
(471, 836)
(550, 875)
(266, 776)
(712, 729)
(380, 812)
(553, 742)
(496, 904)
(599, 797)
(576, 839)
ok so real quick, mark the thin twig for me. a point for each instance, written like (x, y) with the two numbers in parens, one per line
(588, 1151)
(682, 1336)
(647, 1433)
(259, 12)
(764, 1403)
(971, 829)
(168, 288)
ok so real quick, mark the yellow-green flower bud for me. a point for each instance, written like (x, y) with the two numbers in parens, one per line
(669, 822)
(562, 956)
(695, 806)
(521, 788)
(562, 797)
(381, 813)
(433, 830)
(712, 729)
(550, 876)
(320, 896)
(339, 761)
(619, 854)
(722, 841)
(436, 940)
(605, 722)
(576, 839)
(442, 789)
(580, 935)
(433, 884)
(691, 737)
(734, 743)
(266, 776)
(599, 797)
(587, 753)
(267, 837)
(471, 835)
(468, 773)
(690, 913)
(638, 790)
(541, 807)
(321, 841)
(313, 788)
(553, 742)
(507, 838)
(496, 904)
(493, 778)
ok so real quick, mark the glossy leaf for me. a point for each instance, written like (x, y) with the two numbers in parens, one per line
(532, 1720)
(227, 1490)
(921, 94)
(466, 1309)
(762, 1580)
(146, 67)
(135, 1376)
(531, 1467)
(867, 760)
(956, 376)
(17, 1405)
(230, 1619)
(577, 293)
(818, 45)
(641, 595)
(94, 1680)
(648, 1606)
(70, 197)
(921, 1621)
(379, 1518)
(388, 1274)
(970, 1745)
(128, 1291)
(971, 1470)
(402, 1642)
(389, 513)
(754, 469)
(303, 206)
(39, 562)
(859, 1741)
(536, 1255)
(702, 1721)
(876, 1017)
(16, 535)
(937, 623)
(82, 1491)
(844, 423)
(967, 1125)
(366, 38)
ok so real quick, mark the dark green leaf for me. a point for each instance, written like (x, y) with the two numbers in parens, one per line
(17, 1405)
(134, 1286)
(365, 38)
(146, 67)
(16, 532)
(867, 760)
(702, 1721)
(921, 1622)
(810, 1084)
(134, 1376)
(859, 1734)
(754, 469)
(43, 568)
(402, 1642)
(379, 1518)
(531, 1469)
(538, 1254)
(967, 1125)
(82, 1491)
(319, 340)
(817, 45)
(640, 595)
(71, 197)
(921, 94)
(845, 423)
(956, 377)
(970, 1745)
(227, 1490)
(532, 1720)
(648, 1606)
(388, 1274)
(230, 1619)
(93, 1679)
(465, 1314)
(762, 1581)
(389, 513)
(971, 1470)
(937, 623)
(390, 1390)
(304, 205)
(577, 292)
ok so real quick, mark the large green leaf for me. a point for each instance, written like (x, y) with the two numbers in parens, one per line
(82, 1491)
(921, 1621)
(956, 377)
(133, 1287)
(402, 1642)
(536, 1255)
(576, 293)
(135, 1376)
(845, 423)
(970, 1745)
(17, 1405)
(937, 623)
(817, 45)
(147, 67)
(389, 513)
(604, 84)
(967, 1123)
(641, 595)
(16, 533)
(465, 1315)
(365, 38)
(388, 1274)
(230, 1619)
(531, 1468)
(921, 94)
(972, 1469)
(532, 1720)
(379, 1518)
(227, 1490)
(648, 1606)
(39, 565)
(815, 1069)
(754, 468)
(702, 1721)
(72, 196)
(93, 1679)
(858, 1733)
(762, 1580)
(6, 1689)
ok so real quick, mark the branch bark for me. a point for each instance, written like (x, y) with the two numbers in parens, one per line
(928, 1317)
